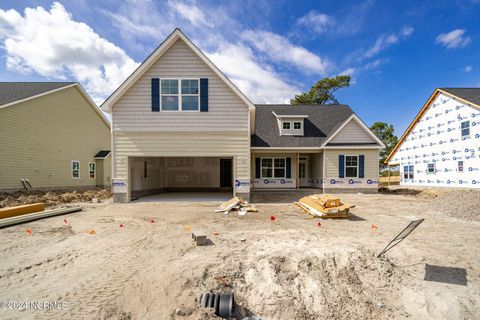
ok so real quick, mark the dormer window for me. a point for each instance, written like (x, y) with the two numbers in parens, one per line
(290, 124)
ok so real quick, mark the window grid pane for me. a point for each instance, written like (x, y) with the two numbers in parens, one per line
(297, 125)
(286, 125)
(189, 103)
(170, 103)
(189, 86)
(170, 86)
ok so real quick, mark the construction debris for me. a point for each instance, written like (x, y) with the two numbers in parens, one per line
(36, 215)
(236, 204)
(324, 206)
(200, 237)
(19, 210)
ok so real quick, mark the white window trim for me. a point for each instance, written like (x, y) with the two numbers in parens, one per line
(71, 168)
(273, 168)
(358, 164)
(179, 94)
(292, 131)
(289, 123)
(428, 168)
(94, 171)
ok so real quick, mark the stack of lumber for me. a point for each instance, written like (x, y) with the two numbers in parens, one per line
(237, 204)
(324, 206)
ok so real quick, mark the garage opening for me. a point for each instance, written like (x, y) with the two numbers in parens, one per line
(184, 175)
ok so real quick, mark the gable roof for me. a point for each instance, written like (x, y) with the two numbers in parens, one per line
(321, 122)
(469, 96)
(356, 119)
(15, 91)
(155, 55)
(12, 93)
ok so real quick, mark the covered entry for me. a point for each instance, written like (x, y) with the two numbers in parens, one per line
(154, 175)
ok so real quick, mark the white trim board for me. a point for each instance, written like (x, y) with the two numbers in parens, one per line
(153, 58)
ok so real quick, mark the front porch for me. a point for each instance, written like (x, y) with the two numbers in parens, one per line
(287, 170)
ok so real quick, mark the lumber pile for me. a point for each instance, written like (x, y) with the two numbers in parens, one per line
(324, 206)
(236, 204)
(9, 212)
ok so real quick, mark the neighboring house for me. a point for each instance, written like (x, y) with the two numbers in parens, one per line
(52, 135)
(441, 147)
(180, 124)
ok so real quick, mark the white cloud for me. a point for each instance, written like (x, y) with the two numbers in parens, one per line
(53, 45)
(386, 40)
(191, 13)
(260, 83)
(468, 69)
(318, 22)
(453, 39)
(280, 49)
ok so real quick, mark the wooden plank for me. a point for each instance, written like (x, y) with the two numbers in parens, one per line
(37, 215)
(19, 210)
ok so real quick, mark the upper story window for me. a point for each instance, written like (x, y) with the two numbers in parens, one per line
(351, 166)
(460, 166)
(431, 167)
(465, 129)
(180, 95)
(292, 127)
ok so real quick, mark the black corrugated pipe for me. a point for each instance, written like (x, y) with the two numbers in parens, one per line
(221, 303)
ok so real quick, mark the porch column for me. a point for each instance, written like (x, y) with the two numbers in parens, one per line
(297, 171)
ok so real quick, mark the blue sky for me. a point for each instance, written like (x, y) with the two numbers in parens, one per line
(397, 52)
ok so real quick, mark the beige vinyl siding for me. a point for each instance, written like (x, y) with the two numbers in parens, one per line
(226, 111)
(352, 133)
(39, 138)
(178, 144)
(371, 161)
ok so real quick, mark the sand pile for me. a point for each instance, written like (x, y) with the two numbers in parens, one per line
(460, 204)
(336, 286)
(288, 285)
(51, 198)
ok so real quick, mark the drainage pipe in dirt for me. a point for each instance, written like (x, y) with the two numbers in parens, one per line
(221, 303)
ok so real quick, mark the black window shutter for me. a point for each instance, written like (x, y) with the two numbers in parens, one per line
(288, 164)
(341, 166)
(155, 94)
(204, 95)
(361, 166)
(257, 168)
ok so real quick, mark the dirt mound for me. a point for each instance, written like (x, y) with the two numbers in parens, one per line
(51, 198)
(336, 286)
(460, 204)
(400, 191)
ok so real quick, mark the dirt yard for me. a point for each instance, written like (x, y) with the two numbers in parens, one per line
(141, 263)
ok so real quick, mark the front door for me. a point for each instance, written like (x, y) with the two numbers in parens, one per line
(226, 173)
(303, 174)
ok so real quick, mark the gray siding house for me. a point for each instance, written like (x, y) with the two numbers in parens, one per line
(180, 124)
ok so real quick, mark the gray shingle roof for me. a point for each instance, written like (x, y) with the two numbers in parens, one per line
(322, 121)
(13, 91)
(469, 94)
